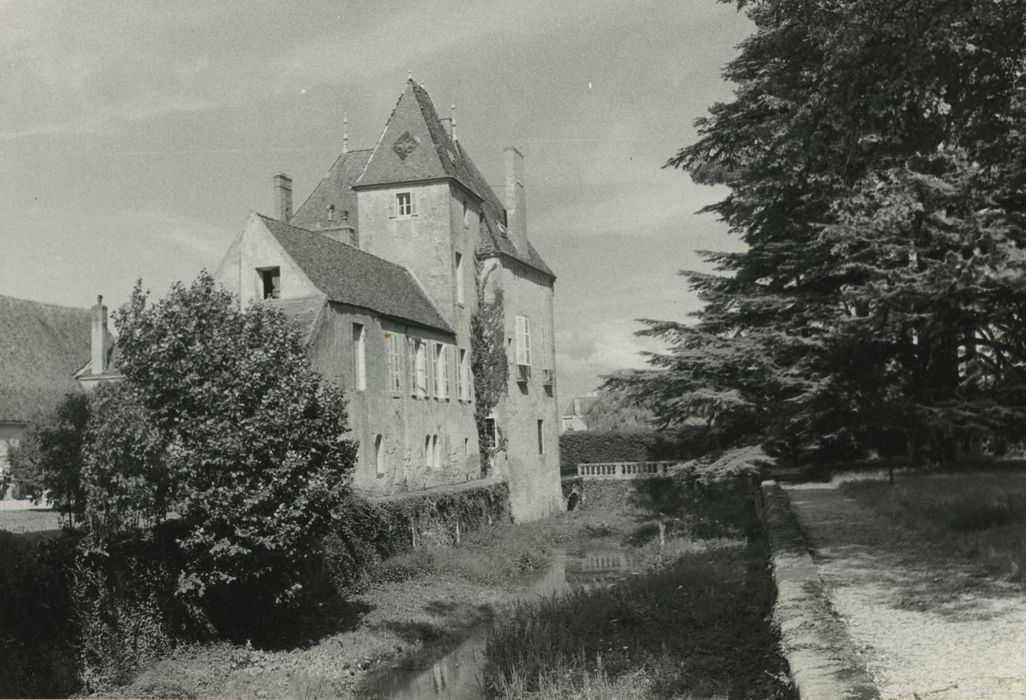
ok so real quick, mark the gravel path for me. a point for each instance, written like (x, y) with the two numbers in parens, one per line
(929, 625)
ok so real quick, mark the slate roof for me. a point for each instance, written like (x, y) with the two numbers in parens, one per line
(305, 312)
(41, 346)
(347, 275)
(336, 188)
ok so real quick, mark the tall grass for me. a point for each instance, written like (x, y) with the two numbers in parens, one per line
(698, 626)
(982, 516)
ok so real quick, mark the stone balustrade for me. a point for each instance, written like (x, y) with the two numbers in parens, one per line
(624, 470)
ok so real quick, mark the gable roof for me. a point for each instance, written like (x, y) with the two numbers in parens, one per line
(41, 346)
(335, 188)
(347, 275)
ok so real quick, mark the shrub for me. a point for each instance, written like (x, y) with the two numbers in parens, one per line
(222, 421)
(39, 637)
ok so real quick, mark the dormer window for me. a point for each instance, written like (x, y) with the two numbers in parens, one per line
(404, 204)
(270, 282)
(331, 213)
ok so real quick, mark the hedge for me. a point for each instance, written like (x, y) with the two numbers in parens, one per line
(577, 447)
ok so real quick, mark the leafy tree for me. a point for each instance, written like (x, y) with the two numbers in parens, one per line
(875, 159)
(610, 413)
(221, 422)
(48, 462)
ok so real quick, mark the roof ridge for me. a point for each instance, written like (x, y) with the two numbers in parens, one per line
(44, 303)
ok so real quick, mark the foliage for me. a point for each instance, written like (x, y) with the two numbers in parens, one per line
(231, 431)
(39, 637)
(723, 601)
(609, 412)
(372, 532)
(48, 462)
(979, 515)
(489, 366)
(576, 447)
(875, 161)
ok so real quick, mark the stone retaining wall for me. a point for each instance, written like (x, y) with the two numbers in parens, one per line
(824, 663)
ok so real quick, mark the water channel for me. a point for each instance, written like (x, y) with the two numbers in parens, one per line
(457, 674)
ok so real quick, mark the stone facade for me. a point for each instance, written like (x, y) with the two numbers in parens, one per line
(380, 267)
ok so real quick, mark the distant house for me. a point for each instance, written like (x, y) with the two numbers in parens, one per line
(41, 347)
(380, 267)
(573, 417)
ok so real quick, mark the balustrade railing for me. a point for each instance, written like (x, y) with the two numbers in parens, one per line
(624, 470)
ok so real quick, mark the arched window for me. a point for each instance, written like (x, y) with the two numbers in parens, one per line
(427, 451)
(436, 457)
(379, 454)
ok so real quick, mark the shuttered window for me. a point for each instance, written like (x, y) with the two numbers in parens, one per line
(523, 337)
(395, 369)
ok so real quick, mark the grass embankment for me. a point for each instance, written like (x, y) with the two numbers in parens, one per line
(978, 515)
(416, 606)
(694, 625)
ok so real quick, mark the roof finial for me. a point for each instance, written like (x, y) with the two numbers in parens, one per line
(454, 115)
(409, 74)
(345, 133)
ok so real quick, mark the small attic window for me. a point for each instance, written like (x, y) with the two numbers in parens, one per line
(331, 213)
(270, 282)
(404, 204)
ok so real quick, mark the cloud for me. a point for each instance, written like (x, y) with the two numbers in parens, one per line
(585, 353)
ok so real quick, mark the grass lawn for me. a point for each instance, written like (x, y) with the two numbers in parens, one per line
(36, 520)
(975, 514)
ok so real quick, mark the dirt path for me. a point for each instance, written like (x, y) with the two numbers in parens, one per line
(930, 626)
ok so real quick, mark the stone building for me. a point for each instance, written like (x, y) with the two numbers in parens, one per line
(41, 346)
(383, 266)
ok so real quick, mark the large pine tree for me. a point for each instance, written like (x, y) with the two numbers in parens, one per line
(875, 152)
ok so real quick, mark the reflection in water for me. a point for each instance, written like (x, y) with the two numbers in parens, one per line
(457, 674)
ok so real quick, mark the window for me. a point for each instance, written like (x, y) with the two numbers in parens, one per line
(459, 278)
(523, 329)
(466, 214)
(541, 436)
(395, 376)
(379, 455)
(461, 380)
(436, 456)
(428, 458)
(548, 380)
(441, 373)
(270, 282)
(404, 204)
(420, 369)
(360, 357)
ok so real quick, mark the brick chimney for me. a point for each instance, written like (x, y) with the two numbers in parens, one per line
(516, 201)
(99, 338)
(282, 197)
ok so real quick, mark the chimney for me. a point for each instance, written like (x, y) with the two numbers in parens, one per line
(99, 338)
(516, 202)
(282, 196)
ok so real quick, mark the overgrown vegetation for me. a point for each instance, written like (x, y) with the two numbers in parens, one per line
(489, 365)
(694, 625)
(48, 462)
(978, 515)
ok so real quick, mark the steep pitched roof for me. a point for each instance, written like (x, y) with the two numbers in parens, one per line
(494, 239)
(41, 346)
(305, 312)
(335, 189)
(348, 275)
(414, 146)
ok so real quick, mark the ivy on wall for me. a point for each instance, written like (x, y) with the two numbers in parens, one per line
(489, 365)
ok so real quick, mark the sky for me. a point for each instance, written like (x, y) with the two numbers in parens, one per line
(136, 137)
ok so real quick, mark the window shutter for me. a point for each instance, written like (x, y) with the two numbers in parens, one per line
(430, 362)
(413, 203)
(411, 347)
(527, 340)
(392, 206)
(521, 349)
(450, 365)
